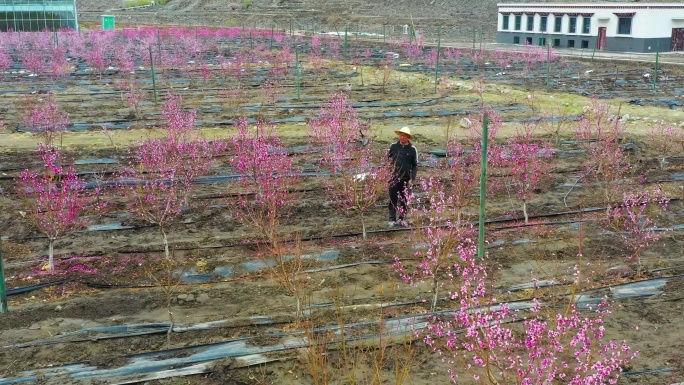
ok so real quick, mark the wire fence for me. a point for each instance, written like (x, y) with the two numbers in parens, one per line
(428, 31)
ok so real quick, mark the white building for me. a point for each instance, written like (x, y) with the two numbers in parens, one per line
(625, 27)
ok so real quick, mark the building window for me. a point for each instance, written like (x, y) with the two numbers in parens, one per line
(558, 24)
(542, 41)
(586, 25)
(572, 28)
(530, 23)
(518, 22)
(542, 23)
(585, 44)
(516, 39)
(624, 26)
(528, 41)
(556, 42)
(571, 44)
(505, 23)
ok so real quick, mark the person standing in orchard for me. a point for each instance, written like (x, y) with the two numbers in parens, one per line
(404, 158)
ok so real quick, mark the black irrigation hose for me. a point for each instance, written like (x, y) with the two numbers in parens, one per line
(38, 286)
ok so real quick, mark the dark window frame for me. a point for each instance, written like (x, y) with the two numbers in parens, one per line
(585, 44)
(530, 22)
(517, 25)
(572, 24)
(516, 39)
(505, 22)
(586, 25)
(571, 43)
(558, 24)
(543, 23)
(624, 25)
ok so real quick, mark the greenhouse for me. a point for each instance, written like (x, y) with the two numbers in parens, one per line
(36, 15)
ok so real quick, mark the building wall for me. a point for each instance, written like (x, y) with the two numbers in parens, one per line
(651, 24)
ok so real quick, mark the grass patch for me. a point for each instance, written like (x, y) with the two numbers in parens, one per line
(141, 3)
(136, 3)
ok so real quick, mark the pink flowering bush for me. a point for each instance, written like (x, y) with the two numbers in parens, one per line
(634, 219)
(133, 94)
(358, 177)
(482, 341)
(463, 174)
(55, 198)
(438, 236)
(668, 139)
(266, 176)
(47, 120)
(608, 164)
(158, 181)
(529, 162)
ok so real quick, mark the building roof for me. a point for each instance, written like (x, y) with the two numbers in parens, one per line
(594, 5)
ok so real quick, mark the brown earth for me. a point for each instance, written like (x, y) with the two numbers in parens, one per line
(121, 291)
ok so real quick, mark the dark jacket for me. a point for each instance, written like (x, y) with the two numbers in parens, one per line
(405, 160)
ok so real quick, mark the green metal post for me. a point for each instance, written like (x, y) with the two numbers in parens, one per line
(271, 42)
(383, 34)
(3, 293)
(474, 37)
(346, 42)
(54, 38)
(298, 75)
(251, 40)
(548, 66)
(291, 31)
(154, 81)
(655, 74)
(159, 46)
(481, 37)
(483, 189)
(439, 41)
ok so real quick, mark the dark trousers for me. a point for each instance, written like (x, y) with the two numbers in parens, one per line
(397, 194)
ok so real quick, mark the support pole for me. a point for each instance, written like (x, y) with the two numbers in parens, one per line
(655, 74)
(3, 293)
(548, 65)
(159, 46)
(439, 41)
(298, 74)
(346, 42)
(481, 37)
(483, 188)
(154, 81)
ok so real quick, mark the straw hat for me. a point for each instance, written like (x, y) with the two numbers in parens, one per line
(404, 130)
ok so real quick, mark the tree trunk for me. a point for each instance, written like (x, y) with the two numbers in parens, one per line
(51, 254)
(435, 289)
(525, 211)
(172, 322)
(167, 254)
(363, 226)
